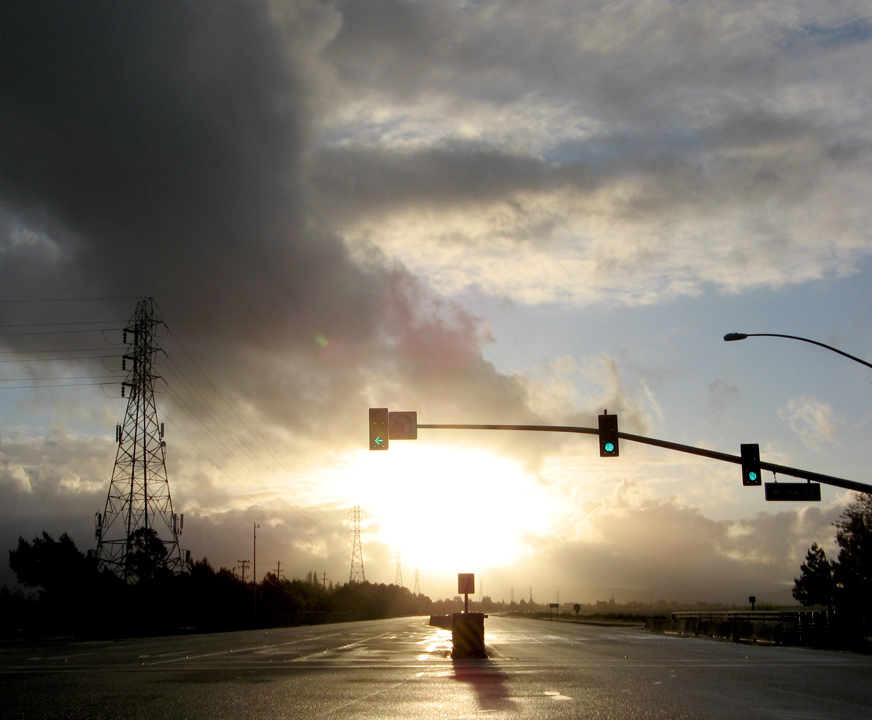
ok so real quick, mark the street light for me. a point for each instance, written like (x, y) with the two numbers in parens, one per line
(729, 337)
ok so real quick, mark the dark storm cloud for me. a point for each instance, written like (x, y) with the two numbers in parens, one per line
(154, 149)
(161, 134)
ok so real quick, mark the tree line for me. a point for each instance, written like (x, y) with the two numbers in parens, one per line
(843, 585)
(72, 594)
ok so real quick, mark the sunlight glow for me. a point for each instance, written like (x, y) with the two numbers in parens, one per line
(447, 510)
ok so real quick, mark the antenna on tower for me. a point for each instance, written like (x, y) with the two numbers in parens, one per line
(139, 492)
(357, 574)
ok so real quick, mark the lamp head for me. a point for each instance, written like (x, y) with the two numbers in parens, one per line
(734, 336)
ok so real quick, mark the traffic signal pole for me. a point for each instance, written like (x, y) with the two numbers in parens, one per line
(712, 454)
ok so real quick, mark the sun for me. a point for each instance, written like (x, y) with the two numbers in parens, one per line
(448, 510)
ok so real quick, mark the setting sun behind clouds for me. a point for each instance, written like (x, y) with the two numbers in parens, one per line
(446, 508)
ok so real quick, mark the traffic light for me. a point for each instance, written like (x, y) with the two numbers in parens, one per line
(608, 435)
(751, 465)
(378, 428)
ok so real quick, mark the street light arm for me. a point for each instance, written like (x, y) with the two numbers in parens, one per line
(741, 336)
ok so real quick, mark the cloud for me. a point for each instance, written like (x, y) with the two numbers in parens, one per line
(721, 393)
(641, 546)
(157, 150)
(303, 187)
(812, 420)
(632, 154)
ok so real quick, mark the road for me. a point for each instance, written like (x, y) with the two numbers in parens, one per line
(403, 669)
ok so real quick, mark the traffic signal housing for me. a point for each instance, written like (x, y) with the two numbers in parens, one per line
(379, 428)
(608, 435)
(751, 474)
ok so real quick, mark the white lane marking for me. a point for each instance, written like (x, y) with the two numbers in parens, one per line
(556, 695)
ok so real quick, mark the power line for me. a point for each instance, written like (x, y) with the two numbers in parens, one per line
(63, 359)
(66, 300)
(61, 332)
(54, 350)
(67, 385)
(196, 407)
(66, 377)
(56, 324)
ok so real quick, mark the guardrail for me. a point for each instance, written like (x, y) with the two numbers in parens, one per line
(786, 627)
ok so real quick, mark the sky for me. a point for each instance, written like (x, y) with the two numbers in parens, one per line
(499, 211)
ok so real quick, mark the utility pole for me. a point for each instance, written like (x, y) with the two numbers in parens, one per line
(357, 574)
(254, 555)
(279, 570)
(244, 565)
(139, 492)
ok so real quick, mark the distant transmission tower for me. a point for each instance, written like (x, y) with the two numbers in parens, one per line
(357, 574)
(139, 493)
(417, 583)
(398, 580)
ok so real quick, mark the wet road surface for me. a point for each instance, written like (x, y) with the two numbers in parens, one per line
(403, 668)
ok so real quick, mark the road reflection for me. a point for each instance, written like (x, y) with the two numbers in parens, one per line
(488, 683)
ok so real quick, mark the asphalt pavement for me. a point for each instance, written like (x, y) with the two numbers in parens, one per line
(403, 668)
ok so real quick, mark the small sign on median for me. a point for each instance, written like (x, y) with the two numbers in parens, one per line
(466, 583)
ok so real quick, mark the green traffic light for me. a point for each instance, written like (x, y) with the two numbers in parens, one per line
(752, 476)
(609, 447)
(379, 424)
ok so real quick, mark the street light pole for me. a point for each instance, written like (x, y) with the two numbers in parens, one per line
(741, 336)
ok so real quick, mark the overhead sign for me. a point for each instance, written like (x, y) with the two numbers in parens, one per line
(793, 491)
(466, 583)
(403, 425)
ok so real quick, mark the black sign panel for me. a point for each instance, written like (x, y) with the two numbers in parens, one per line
(793, 491)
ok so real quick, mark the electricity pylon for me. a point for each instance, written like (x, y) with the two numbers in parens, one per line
(357, 574)
(139, 493)
(398, 581)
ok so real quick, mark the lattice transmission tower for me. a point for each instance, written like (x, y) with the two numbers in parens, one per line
(139, 493)
(398, 580)
(357, 574)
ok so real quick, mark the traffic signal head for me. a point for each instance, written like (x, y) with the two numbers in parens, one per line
(751, 465)
(378, 428)
(608, 435)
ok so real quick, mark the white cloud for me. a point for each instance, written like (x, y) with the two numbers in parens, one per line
(812, 420)
(627, 153)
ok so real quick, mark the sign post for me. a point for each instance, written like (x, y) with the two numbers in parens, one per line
(466, 587)
(467, 629)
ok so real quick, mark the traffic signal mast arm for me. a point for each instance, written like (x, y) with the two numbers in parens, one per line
(714, 455)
